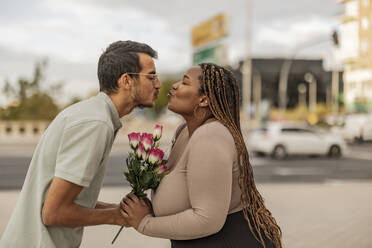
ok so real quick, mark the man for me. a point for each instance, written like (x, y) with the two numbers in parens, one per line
(59, 195)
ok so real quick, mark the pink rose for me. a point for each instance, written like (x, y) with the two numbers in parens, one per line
(147, 141)
(157, 132)
(155, 156)
(161, 168)
(141, 153)
(134, 139)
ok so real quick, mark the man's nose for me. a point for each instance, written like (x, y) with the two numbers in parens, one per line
(157, 84)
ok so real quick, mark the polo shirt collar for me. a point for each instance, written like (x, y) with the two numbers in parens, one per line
(114, 112)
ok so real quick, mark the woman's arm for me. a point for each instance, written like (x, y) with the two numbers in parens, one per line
(209, 179)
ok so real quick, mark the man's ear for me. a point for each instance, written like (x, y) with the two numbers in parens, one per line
(204, 101)
(125, 81)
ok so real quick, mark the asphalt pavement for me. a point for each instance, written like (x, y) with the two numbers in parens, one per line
(356, 165)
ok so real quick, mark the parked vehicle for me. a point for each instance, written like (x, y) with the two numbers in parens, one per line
(358, 128)
(280, 140)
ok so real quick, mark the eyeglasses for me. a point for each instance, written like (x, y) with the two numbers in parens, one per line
(153, 77)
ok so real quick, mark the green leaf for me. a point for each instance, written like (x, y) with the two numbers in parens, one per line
(140, 194)
(146, 179)
(130, 178)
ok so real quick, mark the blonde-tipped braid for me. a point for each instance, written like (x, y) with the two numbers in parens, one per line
(220, 86)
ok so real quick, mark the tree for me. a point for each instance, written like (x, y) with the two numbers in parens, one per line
(29, 100)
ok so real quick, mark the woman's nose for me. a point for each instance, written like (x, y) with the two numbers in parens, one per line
(175, 86)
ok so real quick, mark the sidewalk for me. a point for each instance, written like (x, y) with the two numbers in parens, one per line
(332, 215)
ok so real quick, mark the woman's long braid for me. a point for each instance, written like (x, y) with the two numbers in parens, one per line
(221, 88)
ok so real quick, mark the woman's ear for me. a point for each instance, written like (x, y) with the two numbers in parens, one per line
(204, 101)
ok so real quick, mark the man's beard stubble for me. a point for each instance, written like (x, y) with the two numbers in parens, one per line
(139, 100)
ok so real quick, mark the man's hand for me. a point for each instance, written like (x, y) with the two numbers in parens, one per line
(134, 209)
(121, 220)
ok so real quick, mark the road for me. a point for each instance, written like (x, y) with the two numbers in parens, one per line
(357, 165)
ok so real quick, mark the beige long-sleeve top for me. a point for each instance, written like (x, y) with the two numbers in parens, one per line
(193, 200)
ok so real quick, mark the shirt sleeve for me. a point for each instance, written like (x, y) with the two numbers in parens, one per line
(81, 151)
(209, 179)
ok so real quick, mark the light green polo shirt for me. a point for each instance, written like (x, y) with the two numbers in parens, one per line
(75, 147)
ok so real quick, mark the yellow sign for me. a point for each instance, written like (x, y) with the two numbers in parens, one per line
(210, 30)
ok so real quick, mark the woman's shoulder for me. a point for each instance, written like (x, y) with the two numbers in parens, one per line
(215, 131)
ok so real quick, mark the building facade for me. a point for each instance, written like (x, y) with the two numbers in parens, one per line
(355, 51)
(268, 71)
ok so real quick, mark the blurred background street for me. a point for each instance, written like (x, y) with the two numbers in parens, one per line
(356, 166)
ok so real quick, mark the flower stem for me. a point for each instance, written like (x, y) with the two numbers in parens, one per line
(117, 235)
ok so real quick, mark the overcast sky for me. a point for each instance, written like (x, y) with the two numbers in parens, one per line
(73, 33)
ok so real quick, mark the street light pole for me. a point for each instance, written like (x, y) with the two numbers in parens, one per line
(247, 66)
(312, 91)
(335, 91)
(283, 85)
(246, 85)
(301, 95)
(257, 85)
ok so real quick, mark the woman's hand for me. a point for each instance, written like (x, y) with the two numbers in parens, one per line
(134, 209)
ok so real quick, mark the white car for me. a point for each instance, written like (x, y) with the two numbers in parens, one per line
(358, 127)
(280, 140)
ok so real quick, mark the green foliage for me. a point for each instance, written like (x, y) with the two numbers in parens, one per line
(30, 102)
(38, 106)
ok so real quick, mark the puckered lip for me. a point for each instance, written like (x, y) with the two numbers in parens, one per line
(170, 94)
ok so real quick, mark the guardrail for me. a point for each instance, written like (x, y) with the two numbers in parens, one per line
(22, 129)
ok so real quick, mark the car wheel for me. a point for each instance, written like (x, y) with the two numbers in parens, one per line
(358, 139)
(334, 151)
(279, 152)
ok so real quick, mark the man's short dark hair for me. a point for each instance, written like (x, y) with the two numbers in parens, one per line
(118, 58)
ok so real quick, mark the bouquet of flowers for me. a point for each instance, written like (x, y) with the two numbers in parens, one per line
(145, 163)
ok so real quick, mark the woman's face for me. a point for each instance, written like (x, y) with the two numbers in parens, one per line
(185, 95)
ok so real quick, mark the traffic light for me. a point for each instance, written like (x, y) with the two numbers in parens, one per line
(335, 38)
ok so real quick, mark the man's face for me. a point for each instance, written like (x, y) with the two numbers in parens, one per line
(147, 84)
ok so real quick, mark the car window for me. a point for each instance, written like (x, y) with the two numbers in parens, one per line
(305, 131)
(296, 130)
(289, 130)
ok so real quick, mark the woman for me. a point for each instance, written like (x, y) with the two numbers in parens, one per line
(209, 198)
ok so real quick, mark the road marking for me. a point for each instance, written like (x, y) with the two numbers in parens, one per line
(257, 161)
(298, 171)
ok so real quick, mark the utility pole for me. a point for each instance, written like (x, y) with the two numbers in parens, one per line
(335, 91)
(246, 88)
(312, 92)
(247, 66)
(301, 95)
(257, 85)
(283, 84)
